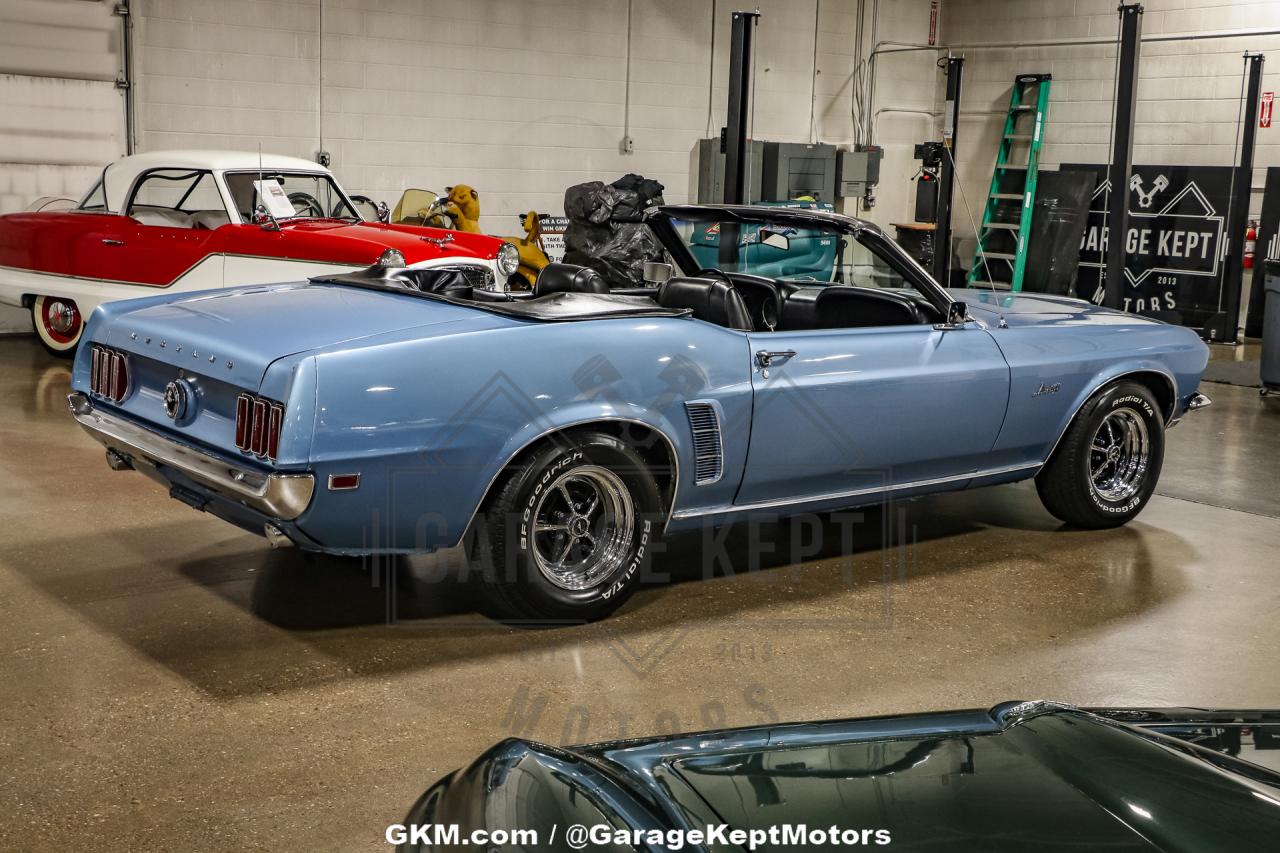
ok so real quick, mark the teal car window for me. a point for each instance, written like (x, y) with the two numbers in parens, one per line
(774, 251)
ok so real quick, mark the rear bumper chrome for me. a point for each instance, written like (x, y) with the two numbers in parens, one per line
(282, 496)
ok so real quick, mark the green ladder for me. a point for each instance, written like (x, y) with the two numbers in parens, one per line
(1006, 220)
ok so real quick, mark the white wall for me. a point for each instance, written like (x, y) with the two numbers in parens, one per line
(519, 100)
(1188, 93)
(907, 109)
(61, 117)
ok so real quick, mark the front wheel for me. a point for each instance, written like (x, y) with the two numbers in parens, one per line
(1105, 468)
(58, 324)
(569, 530)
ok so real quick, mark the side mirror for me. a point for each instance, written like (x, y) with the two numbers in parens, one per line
(384, 212)
(264, 219)
(775, 240)
(957, 315)
(656, 272)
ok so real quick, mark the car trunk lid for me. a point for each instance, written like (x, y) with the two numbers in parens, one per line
(234, 335)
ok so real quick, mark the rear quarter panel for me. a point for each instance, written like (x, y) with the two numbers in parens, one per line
(1079, 355)
(429, 422)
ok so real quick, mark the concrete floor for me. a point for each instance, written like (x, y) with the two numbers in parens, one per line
(169, 683)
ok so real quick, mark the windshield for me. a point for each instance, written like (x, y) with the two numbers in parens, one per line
(799, 254)
(312, 196)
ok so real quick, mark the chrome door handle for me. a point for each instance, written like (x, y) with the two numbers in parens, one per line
(764, 358)
(107, 241)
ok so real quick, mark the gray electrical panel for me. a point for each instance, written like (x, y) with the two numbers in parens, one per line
(795, 169)
(858, 171)
(711, 171)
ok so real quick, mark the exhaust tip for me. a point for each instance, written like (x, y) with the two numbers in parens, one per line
(117, 461)
(276, 537)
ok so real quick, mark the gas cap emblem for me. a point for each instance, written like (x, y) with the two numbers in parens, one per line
(177, 399)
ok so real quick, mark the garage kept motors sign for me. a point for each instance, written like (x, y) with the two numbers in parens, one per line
(1174, 253)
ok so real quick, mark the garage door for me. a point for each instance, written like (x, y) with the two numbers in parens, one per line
(61, 115)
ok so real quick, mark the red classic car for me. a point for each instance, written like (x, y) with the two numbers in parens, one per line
(194, 220)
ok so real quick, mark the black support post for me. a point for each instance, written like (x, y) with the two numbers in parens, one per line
(1121, 168)
(947, 173)
(737, 119)
(1238, 213)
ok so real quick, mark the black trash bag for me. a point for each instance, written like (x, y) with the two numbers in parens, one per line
(588, 202)
(635, 195)
(622, 258)
(587, 238)
(606, 230)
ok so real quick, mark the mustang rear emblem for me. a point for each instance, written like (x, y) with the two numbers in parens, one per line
(175, 399)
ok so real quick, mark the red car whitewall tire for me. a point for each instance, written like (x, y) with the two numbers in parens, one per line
(58, 324)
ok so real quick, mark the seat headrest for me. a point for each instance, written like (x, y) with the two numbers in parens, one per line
(211, 219)
(711, 300)
(764, 302)
(569, 278)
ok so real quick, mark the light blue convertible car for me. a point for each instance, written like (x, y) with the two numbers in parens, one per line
(559, 433)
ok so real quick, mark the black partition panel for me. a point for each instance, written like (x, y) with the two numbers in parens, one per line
(1175, 249)
(1268, 249)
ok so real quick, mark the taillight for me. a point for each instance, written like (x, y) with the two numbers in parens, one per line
(109, 373)
(258, 424)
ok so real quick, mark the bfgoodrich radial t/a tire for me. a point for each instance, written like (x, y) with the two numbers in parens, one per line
(1106, 466)
(569, 531)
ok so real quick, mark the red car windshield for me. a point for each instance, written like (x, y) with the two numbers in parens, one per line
(313, 196)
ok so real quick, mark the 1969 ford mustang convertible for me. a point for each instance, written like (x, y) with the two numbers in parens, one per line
(559, 433)
(175, 221)
(1021, 776)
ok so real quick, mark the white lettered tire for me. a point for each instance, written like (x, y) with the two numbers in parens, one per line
(1106, 467)
(569, 532)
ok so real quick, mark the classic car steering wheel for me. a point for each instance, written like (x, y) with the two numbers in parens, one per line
(306, 204)
(764, 309)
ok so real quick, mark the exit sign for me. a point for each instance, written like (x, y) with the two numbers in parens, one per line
(1264, 113)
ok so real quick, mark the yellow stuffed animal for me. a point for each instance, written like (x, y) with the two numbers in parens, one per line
(462, 205)
(532, 257)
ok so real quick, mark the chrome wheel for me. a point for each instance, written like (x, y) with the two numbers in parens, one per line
(582, 527)
(1119, 455)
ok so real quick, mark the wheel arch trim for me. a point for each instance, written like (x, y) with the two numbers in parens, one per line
(1093, 390)
(579, 424)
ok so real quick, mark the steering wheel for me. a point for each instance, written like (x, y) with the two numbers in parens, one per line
(305, 204)
(763, 307)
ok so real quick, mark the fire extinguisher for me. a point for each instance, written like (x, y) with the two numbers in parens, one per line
(1250, 243)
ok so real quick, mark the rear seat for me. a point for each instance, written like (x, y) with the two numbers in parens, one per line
(168, 218)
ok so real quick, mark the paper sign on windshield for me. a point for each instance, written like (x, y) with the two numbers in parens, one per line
(274, 197)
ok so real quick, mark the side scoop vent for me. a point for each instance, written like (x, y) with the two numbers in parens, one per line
(708, 450)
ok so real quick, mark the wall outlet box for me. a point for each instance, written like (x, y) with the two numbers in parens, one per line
(323, 158)
(627, 145)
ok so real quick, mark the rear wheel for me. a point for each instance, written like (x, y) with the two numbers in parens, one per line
(58, 324)
(1106, 467)
(568, 532)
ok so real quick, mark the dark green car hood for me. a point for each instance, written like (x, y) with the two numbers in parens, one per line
(1024, 776)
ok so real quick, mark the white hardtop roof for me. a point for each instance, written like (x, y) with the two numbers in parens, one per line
(121, 174)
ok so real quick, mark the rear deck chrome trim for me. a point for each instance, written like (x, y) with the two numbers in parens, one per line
(282, 496)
